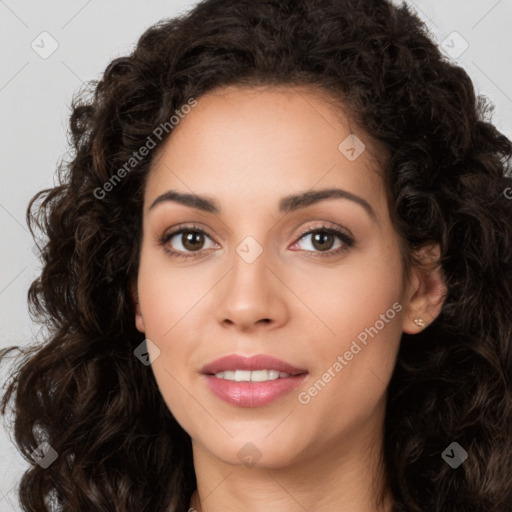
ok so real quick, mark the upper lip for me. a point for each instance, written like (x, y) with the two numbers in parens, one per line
(258, 362)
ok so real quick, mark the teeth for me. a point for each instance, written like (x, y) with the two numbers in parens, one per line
(251, 376)
(241, 375)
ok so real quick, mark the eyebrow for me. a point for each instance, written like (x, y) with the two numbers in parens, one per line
(287, 204)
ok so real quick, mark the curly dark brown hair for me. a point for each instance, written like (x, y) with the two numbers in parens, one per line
(81, 388)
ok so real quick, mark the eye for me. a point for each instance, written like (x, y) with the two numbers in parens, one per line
(322, 238)
(188, 239)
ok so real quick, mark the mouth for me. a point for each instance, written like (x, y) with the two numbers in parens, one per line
(251, 381)
(252, 376)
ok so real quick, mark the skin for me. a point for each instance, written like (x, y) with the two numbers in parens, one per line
(247, 148)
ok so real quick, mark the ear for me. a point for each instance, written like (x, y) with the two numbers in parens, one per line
(139, 321)
(426, 290)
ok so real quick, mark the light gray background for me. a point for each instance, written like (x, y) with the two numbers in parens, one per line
(35, 96)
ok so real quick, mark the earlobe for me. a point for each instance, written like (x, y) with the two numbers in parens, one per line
(139, 321)
(426, 291)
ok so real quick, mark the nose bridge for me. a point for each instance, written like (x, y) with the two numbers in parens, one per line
(251, 293)
(250, 267)
(252, 236)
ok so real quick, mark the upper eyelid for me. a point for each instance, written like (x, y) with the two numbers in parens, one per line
(325, 225)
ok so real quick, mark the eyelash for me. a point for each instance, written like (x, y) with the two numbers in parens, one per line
(348, 242)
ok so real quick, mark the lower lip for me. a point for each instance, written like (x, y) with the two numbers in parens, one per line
(253, 394)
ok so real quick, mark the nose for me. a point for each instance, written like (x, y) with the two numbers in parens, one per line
(252, 296)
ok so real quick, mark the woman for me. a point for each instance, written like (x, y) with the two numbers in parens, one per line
(277, 275)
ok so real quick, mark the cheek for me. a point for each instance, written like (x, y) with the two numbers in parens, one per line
(359, 312)
(167, 294)
(171, 307)
(351, 296)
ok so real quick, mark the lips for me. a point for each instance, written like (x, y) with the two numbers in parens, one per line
(248, 393)
(259, 362)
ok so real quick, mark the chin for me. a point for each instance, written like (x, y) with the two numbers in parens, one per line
(257, 451)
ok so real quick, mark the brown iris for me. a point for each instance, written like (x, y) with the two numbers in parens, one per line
(192, 240)
(319, 240)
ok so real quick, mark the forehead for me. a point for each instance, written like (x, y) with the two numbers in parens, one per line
(252, 142)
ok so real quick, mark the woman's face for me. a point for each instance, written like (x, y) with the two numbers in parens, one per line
(332, 306)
